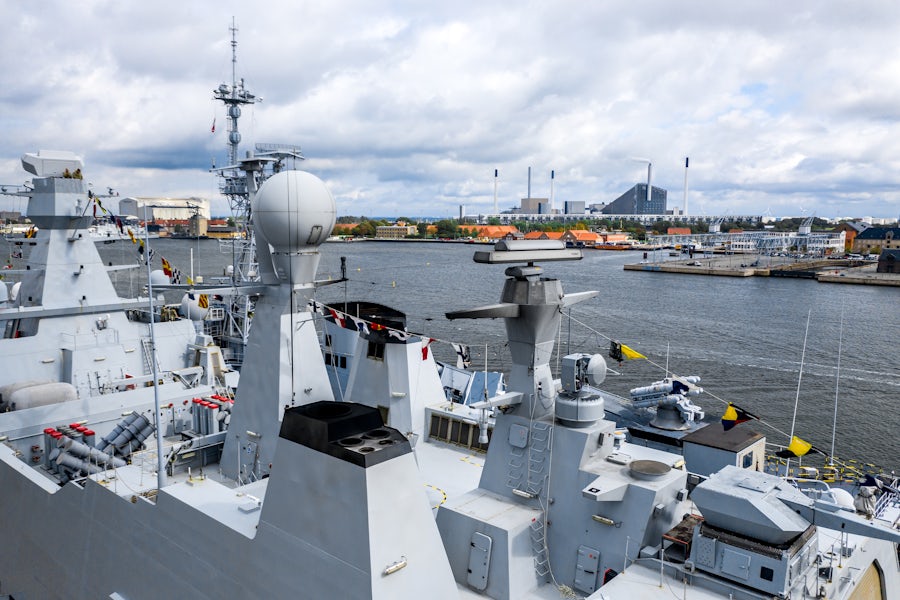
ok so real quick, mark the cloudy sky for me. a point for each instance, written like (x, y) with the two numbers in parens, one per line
(406, 107)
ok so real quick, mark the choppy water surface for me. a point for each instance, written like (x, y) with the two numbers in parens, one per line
(742, 336)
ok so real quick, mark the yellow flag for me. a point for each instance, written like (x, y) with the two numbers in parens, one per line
(730, 414)
(631, 354)
(799, 447)
(203, 301)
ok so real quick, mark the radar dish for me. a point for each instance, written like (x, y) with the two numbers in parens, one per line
(596, 369)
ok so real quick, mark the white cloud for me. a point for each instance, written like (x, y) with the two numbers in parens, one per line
(407, 108)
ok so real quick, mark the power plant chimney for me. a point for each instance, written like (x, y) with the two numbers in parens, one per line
(649, 176)
(685, 185)
(496, 174)
(552, 175)
(529, 182)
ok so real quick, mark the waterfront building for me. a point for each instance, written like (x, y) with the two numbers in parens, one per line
(613, 237)
(164, 209)
(489, 232)
(877, 239)
(889, 261)
(395, 232)
(678, 231)
(851, 229)
(580, 237)
(543, 235)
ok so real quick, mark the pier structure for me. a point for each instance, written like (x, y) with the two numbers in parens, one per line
(507, 218)
(818, 242)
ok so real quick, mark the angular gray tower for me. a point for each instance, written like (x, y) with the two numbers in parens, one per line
(531, 307)
(293, 214)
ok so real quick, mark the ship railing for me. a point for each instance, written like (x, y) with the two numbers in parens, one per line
(888, 500)
(814, 488)
(831, 470)
(89, 340)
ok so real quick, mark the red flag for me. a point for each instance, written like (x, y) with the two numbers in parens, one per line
(336, 316)
(213, 130)
(425, 345)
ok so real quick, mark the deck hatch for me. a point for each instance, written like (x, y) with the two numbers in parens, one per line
(479, 560)
(586, 569)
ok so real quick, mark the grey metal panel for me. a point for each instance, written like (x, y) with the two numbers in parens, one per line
(705, 551)
(736, 564)
(586, 569)
(479, 560)
(518, 436)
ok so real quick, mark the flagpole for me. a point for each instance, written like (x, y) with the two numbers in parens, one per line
(160, 471)
(667, 358)
(837, 383)
(787, 469)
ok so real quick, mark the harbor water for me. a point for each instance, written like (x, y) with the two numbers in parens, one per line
(743, 336)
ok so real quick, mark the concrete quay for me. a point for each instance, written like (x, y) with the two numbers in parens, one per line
(824, 271)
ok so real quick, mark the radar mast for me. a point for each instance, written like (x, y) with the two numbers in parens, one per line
(239, 181)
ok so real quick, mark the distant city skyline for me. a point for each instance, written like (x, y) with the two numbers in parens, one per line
(409, 108)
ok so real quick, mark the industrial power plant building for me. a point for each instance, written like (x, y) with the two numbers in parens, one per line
(635, 202)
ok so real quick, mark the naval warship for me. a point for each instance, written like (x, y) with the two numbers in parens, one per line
(126, 472)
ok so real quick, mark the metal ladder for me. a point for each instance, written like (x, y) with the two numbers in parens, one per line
(516, 466)
(539, 441)
(527, 466)
(147, 346)
(539, 547)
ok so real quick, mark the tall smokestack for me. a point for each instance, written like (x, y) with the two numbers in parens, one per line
(552, 175)
(496, 174)
(529, 182)
(649, 180)
(685, 185)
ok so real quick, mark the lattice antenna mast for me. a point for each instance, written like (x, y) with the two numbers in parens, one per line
(233, 96)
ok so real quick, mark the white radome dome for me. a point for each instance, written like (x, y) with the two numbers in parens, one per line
(293, 210)
(842, 498)
(157, 277)
(190, 309)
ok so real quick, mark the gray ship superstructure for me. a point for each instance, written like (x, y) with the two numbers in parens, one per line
(67, 335)
(563, 506)
(295, 493)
